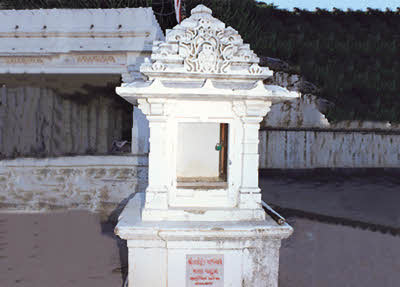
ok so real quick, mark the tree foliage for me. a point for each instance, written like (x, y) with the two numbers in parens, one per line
(352, 55)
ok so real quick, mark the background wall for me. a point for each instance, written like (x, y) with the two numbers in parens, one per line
(39, 121)
(329, 148)
(297, 135)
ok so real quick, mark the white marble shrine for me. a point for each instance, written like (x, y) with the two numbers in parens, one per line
(200, 220)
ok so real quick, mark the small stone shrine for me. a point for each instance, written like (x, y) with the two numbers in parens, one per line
(201, 220)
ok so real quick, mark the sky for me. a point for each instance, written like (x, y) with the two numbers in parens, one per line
(340, 4)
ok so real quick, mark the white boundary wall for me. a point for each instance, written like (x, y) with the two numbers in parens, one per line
(329, 148)
(100, 183)
(83, 182)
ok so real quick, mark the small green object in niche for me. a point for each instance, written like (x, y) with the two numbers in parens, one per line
(218, 146)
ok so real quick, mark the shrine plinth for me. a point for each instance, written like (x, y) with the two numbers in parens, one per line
(200, 220)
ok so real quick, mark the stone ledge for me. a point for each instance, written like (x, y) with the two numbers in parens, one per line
(131, 227)
(96, 183)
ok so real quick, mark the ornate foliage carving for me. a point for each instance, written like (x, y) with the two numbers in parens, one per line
(202, 44)
(255, 69)
(158, 66)
(205, 48)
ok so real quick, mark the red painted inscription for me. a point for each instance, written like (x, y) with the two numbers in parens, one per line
(205, 270)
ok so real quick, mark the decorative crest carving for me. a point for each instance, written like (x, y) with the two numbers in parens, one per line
(202, 46)
(207, 49)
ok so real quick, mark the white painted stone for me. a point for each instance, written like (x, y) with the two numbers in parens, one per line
(158, 250)
(96, 183)
(140, 132)
(183, 86)
(201, 76)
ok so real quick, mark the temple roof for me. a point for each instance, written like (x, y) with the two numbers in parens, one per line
(64, 30)
(201, 58)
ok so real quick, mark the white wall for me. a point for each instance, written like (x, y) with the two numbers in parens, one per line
(140, 132)
(196, 155)
(96, 183)
(102, 182)
(329, 148)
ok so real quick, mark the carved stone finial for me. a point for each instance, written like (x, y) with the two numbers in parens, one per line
(201, 9)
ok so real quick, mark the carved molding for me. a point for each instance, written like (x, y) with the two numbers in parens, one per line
(155, 108)
(66, 59)
(206, 49)
(251, 110)
(94, 59)
(24, 60)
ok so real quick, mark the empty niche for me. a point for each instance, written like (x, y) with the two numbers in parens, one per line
(202, 155)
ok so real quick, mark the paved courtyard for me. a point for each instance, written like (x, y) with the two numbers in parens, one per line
(77, 248)
(367, 196)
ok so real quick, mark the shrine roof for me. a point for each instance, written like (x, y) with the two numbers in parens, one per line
(201, 58)
(201, 46)
(63, 30)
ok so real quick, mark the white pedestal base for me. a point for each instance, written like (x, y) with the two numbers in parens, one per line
(159, 252)
(203, 214)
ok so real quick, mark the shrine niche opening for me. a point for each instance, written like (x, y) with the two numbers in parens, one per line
(202, 155)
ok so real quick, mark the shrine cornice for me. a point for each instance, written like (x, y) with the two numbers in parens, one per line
(206, 90)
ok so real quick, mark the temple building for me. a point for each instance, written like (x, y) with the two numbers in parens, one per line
(58, 72)
(60, 119)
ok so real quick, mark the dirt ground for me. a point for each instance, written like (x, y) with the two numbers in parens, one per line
(59, 249)
(75, 248)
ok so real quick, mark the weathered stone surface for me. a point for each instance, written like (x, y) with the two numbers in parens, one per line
(87, 182)
(250, 248)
